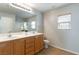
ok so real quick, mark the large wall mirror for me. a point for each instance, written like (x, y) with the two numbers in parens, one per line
(15, 18)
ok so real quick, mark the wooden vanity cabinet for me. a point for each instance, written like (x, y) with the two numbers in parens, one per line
(19, 46)
(6, 48)
(34, 44)
(39, 44)
(23, 46)
(41, 38)
(29, 45)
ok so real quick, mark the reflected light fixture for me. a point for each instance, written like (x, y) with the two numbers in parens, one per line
(22, 7)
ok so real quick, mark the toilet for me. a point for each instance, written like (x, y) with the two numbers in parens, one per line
(46, 43)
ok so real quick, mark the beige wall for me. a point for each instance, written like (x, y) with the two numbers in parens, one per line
(67, 39)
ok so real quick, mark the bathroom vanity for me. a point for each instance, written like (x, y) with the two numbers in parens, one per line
(25, 44)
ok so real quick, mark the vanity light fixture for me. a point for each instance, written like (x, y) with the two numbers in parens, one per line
(21, 6)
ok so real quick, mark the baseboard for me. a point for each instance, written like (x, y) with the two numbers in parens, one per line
(65, 49)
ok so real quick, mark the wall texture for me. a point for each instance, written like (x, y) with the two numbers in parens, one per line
(67, 39)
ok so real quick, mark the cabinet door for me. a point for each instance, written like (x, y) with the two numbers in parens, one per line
(39, 44)
(19, 47)
(41, 38)
(6, 48)
(30, 45)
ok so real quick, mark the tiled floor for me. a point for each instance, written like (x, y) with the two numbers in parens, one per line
(54, 51)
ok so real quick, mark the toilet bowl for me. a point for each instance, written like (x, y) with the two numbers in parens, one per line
(46, 43)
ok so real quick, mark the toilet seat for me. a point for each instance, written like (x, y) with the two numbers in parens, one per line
(47, 41)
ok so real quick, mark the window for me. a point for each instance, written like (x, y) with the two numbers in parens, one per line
(33, 25)
(64, 21)
(25, 25)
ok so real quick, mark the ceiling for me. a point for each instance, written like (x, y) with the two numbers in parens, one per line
(43, 7)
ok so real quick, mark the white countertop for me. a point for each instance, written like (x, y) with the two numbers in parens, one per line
(4, 37)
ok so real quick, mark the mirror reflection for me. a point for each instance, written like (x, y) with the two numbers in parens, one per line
(16, 18)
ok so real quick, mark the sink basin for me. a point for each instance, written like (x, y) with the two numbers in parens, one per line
(6, 36)
(16, 35)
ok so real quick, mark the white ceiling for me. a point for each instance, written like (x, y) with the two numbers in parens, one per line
(43, 7)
